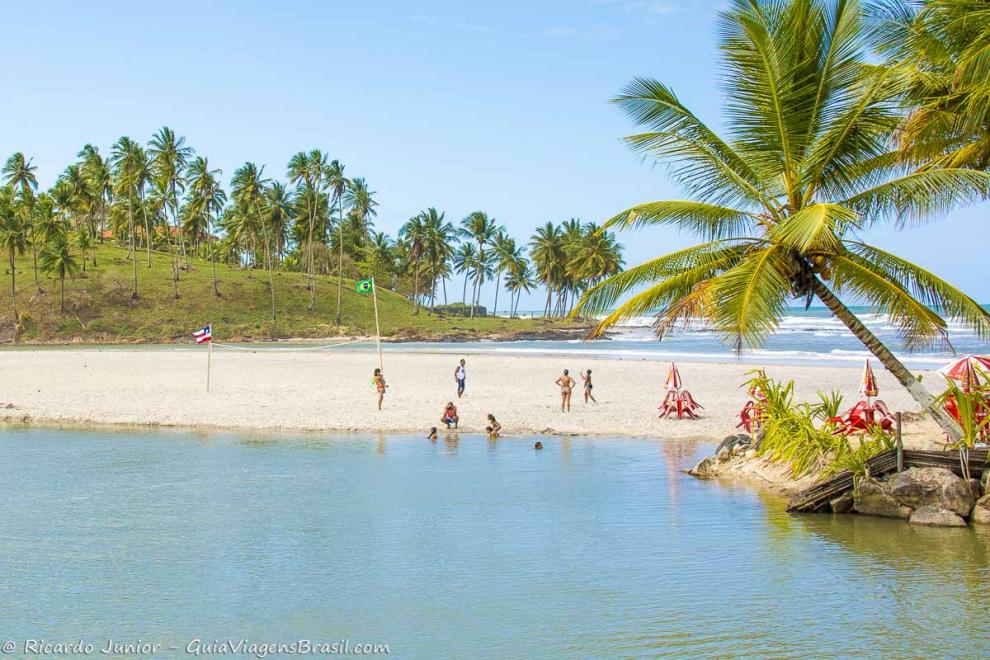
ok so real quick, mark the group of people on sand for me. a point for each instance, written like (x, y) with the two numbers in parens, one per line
(566, 385)
(451, 419)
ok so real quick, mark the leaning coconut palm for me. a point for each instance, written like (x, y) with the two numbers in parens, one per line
(338, 185)
(58, 261)
(779, 201)
(506, 253)
(96, 173)
(944, 48)
(519, 279)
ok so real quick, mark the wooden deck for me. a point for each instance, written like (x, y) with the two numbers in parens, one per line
(818, 496)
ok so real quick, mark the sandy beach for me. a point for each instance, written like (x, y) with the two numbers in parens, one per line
(310, 391)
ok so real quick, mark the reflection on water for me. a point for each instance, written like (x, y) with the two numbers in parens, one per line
(462, 547)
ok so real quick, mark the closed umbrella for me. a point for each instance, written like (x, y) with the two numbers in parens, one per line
(868, 384)
(673, 383)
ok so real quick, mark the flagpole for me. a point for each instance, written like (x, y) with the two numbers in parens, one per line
(378, 330)
(209, 359)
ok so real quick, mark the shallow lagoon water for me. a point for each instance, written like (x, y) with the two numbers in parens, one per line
(459, 548)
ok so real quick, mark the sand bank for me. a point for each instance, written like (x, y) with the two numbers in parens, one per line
(271, 390)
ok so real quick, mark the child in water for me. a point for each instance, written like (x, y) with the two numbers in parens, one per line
(493, 427)
(380, 385)
(433, 433)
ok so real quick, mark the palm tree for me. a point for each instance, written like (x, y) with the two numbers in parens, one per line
(546, 249)
(414, 232)
(57, 260)
(308, 173)
(13, 241)
(206, 201)
(96, 173)
(84, 241)
(481, 229)
(440, 236)
(125, 159)
(506, 254)
(169, 157)
(279, 214)
(805, 165)
(19, 173)
(593, 256)
(338, 185)
(519, 279)
(464, 262)
(248, 190)
(941, 46)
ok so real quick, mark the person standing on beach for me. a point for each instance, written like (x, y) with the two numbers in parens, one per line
(380, 385)
(460, 375)
(586, 377)
(566, 384)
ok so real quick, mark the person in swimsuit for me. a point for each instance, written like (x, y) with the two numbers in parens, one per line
(493, 427)
(449, 415)
(586, 377)
(566, 384)
(380, 385)
(460, 375)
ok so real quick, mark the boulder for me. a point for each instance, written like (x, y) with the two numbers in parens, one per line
(842, 504)
(938, 487)
(723, 455)
(730, 442)
(873, 498)
(981, 511)
(936, 516)
(704, 468)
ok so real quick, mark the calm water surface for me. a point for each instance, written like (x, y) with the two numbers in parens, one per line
(460, 548)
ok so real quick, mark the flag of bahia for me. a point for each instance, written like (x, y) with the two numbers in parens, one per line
(204, 335)
(365, 286)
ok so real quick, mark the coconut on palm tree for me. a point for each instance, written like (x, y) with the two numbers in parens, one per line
(805, 166)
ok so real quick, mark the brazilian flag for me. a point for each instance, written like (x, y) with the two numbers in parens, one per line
(364, 286)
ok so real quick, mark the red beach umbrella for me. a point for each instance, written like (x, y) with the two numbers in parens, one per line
(868, 384)
(967, 369)
(673, 378)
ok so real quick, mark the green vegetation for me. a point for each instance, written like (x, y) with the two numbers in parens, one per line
(99, 307)
(802, 435)
(811, 158)
(161, 199)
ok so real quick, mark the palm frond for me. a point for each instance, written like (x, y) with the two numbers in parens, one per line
(710, 221)
(917, 325)
(931, 290)
(816, 228)
(748, 300)
(920, 196)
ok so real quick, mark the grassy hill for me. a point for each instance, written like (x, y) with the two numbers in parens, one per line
(99, 308)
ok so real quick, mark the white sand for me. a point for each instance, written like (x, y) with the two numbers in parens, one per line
(332, 391)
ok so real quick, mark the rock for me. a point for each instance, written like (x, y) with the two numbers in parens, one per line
(740, 450)
(723, 455)
(983, 482)
(873, 498)
(981, 511)
(703, 469)
(730, 442)
(758, 439)
(936, 516)
(842, 504)
(939, 487)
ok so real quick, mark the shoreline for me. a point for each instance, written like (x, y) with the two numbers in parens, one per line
(331, 391)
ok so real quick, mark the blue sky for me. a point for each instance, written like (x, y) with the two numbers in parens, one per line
(460, 105)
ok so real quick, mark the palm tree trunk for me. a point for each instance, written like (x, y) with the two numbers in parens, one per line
(147, 229)
(13, 289)
(546, 310)
(61, 301)
(340, 258)
(130, 219)
(498, 285)
(416, 290)
(882, 353)
(172, 260)
(213, 259)
(464, 293)
(34, 256)
(311, 264)
(443, 282)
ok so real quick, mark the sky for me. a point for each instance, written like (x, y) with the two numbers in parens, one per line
(494, 106)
